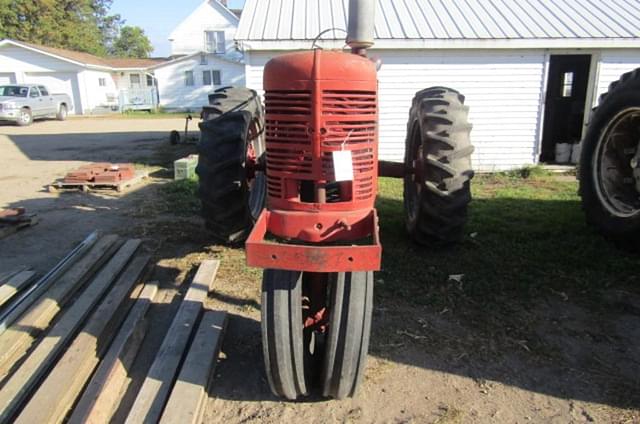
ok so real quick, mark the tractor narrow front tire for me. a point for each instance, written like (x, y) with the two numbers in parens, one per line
(609, 171)
(232, 195)
(282, 333)
(438, 149)
(347, 342)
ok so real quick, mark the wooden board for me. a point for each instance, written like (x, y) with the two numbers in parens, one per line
(188, 397)
(14, 285)
(16, 339)
(40, 360)
(57, 393)
(121, 186)
(104, 392)
(155, 389)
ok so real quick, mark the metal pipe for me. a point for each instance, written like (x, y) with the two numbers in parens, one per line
(361, 25)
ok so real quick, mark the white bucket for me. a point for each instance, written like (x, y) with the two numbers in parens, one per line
(575, 152)
(563, 152)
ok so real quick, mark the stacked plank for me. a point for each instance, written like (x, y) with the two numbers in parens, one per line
(66, 353)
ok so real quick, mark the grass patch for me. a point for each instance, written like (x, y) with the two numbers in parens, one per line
(181, 197)
(525, 238)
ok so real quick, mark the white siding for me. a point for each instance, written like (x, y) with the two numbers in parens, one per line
(502, 88)
(614, 63)
(97, 96)
(188, 37)
(7, 78)
(174, 94)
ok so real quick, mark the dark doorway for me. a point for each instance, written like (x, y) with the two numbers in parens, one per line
(564, 105)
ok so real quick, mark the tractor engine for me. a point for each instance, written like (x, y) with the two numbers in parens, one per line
(321, 133)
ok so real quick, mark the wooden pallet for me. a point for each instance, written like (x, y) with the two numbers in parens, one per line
(60, 185)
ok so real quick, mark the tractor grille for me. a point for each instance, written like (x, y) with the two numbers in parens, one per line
(350, 120)
(348, 123)
(288, 138)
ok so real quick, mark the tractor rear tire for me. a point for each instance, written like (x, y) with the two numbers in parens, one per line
(438, 148)
(282, 333)
(609, 181)
(347, 343)
(232, 196)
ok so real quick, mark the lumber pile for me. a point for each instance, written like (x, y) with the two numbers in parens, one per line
(69, 340)
(14, 220)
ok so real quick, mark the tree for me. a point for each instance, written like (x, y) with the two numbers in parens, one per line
(82, 25)
(132, 42)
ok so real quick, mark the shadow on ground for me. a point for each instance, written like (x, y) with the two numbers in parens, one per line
(543, 305)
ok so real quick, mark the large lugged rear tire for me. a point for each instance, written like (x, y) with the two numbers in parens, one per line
(232, 193)
(438, 148)
(609, 169)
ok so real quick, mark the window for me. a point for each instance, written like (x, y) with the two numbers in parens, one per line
(134, 80)
(102, 82)
(214, 42)
(206, 78)
(188, 78)
(149, 81)
(211, 77)
(34, 92)
(203, 59)
(43, 90)
(567, 84)
(217, 77)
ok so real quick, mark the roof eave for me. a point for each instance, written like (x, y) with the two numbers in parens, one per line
(439, 44)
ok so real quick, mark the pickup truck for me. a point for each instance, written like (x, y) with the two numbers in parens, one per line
(22, 103)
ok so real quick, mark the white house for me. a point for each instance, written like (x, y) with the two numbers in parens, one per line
(205, 57)
(531, 71)
(94, 83)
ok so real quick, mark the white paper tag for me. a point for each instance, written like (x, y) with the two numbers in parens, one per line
(343, 165)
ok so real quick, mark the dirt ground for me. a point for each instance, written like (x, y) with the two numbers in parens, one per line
(425, 366)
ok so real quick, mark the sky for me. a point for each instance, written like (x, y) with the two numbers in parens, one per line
(159, 18)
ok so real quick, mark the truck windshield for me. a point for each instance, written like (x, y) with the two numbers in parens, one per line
(13, 91)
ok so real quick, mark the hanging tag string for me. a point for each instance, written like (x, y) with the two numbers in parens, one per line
(345, 140)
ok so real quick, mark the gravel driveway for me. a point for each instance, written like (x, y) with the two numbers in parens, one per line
(33, 157)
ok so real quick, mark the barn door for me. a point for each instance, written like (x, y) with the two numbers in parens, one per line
(564, 105)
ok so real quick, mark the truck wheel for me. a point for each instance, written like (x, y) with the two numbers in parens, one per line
(25, 118)
(283, 333)
(609, 169)
(438, 149)
(347, 341)
(231, 189)
(62, 113)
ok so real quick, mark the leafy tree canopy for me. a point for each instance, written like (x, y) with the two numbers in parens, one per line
(132, 42)
(81, 25)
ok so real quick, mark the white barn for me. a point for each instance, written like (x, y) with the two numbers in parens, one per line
(95, 84)
(205, 57)
(530, 71)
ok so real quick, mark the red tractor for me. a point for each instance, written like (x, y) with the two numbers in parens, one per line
(312, 155)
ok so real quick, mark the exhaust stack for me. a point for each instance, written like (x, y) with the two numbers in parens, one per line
(361, 25)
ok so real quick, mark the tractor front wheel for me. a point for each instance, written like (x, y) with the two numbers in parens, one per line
(438, 150)
(315, 327)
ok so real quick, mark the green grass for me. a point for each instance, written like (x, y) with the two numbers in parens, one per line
(181, 197)
(525, 238)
